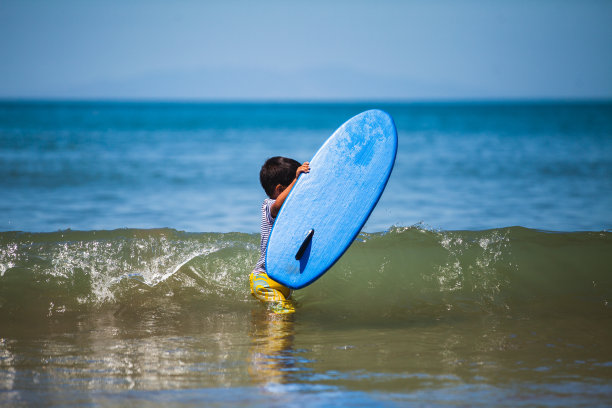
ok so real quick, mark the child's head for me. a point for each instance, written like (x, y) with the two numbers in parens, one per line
(277, 171)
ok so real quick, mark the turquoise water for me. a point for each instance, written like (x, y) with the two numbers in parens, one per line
(482, 278)
(194, 167)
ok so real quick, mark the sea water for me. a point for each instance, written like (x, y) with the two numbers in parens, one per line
(195, 167)
(127, 231)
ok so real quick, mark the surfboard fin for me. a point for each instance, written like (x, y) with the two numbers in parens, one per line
(304, 245)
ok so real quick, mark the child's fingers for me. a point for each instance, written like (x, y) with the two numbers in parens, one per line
(301, 170)
(304, 168)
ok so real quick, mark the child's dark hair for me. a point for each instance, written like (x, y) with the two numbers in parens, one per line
(277, 170)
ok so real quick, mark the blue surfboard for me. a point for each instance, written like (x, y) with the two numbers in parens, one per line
(327, 207)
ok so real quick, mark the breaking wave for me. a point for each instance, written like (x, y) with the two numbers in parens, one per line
(401, 274)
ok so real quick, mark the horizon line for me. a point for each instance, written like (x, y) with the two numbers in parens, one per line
(323, 101)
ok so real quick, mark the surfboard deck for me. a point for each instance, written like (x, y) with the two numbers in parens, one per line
(327, 207)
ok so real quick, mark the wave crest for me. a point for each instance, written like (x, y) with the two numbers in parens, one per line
(403, 273)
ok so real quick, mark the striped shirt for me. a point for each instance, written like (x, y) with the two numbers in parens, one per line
(266, 225)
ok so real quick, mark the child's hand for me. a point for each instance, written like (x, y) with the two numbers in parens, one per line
(304, 168)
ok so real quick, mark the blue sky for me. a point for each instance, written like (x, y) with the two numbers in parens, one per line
(314, 50)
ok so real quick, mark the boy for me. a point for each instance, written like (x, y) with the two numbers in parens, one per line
(277, 177)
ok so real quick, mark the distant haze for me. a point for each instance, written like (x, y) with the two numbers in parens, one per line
(318, 50)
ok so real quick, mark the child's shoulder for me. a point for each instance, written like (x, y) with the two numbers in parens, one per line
(267, 204)
(266, 209)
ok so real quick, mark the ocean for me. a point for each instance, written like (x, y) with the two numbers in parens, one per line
(128, 229)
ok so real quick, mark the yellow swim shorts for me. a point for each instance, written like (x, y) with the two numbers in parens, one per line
(267, 290)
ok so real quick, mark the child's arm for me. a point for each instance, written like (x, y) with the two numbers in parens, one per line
(275, 208)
